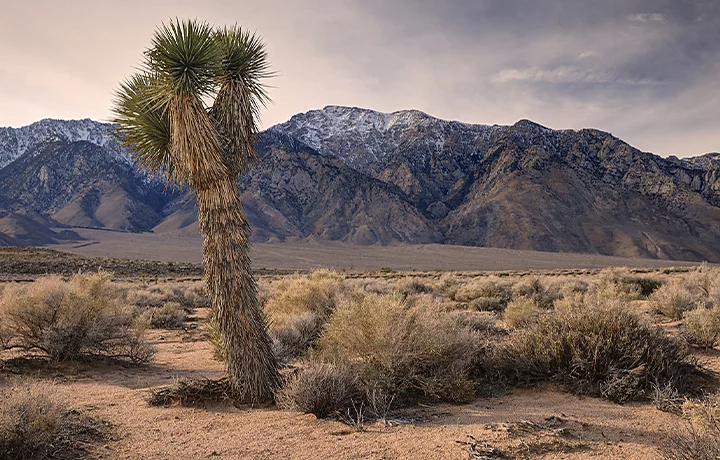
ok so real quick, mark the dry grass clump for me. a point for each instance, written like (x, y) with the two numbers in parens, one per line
(35, 424)
(541, 293)
(633, 285)
(83, 317)
(297, 336)
(700, 440)
(478, 321)
(703, 281)
(402, 348)
(674, 299)
(595, 347)
(485, 294)
(170, 316)
(300, 294)
(522, 312)
(411, 286)
(702, 326)
(188, 295)
(321, 389)
(299, 307)
(448, 285)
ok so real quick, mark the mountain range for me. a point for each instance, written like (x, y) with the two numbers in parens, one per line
(364, 177)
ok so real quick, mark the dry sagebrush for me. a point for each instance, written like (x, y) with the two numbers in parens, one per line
(700, 438)
(402, 348)
(317, 388)
(521, 312)
(298, 307)
(170, 316)
(674, 299)
(596, 346)
(80, 318)
(702, 326)
(35, 424)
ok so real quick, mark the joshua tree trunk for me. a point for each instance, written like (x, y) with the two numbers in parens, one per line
(238, 315)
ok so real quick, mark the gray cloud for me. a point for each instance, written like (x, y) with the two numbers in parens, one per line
(642, 69)
(648, 17)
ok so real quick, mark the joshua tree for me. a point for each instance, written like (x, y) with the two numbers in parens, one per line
(164, 115)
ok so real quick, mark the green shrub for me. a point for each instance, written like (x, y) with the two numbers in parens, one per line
(401, 348)
(70, 320)
(321, 389)
(595, 347)
(702, 326)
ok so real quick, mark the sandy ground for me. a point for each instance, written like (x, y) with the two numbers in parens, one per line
(314, 254)
(520, 423)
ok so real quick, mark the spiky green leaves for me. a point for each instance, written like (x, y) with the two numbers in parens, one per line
(161, 111)
(236, 111)
(185, 58)
(243, 58)
(143, 124)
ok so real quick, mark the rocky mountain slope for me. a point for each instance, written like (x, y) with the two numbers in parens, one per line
(526, 186)
(16, 141)
(365, 177)
(81, 184)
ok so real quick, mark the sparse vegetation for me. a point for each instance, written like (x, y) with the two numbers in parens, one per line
(673, 300)
(298, 307)
(357, 347)
(297, 336)
(188, 295)
(81, 318)
(596, 347)
(301, 294)
(36, 425)
(317, 388)
(700, 439)
(702, 326)
(541, 294)
(521, 312)
(170, 316)
(402, 348)
(485, 294)
(631, 284)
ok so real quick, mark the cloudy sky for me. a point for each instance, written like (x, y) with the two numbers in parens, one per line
(646, 70)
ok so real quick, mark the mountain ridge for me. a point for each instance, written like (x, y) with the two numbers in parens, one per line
(366, 177)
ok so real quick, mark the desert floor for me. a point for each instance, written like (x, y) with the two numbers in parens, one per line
(525, 423)
(303, 255)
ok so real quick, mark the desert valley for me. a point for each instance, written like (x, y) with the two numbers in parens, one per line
(197, 261)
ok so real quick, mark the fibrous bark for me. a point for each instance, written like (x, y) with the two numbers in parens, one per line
(237, 313)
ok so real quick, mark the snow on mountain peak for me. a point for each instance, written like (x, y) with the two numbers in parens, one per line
(16, 141)
(361, 136)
